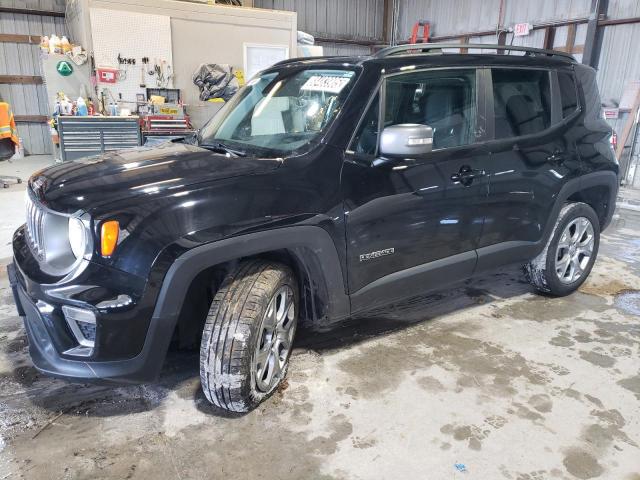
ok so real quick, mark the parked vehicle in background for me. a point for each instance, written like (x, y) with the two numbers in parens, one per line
(324, 188)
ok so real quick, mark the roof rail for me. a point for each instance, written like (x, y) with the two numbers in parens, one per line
(431, 48)
(301, 59)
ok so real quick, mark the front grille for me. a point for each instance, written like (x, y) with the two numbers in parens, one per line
(35, 227)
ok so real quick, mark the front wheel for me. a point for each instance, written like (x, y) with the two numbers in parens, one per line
(248, 335)
(568, 257)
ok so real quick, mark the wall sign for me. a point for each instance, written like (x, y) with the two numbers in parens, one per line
(521, 29)
(64, 68)
(257, 57)
(107, 75)
(611, 113)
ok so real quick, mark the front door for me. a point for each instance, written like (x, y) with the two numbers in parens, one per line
(413, 224)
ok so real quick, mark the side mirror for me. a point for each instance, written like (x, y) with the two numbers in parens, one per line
(406, 139)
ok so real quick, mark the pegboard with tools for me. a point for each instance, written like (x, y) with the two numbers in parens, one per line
(137, 45)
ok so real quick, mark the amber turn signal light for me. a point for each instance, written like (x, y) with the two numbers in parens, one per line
(109, 237)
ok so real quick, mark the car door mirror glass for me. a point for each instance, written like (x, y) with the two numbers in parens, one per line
(408, 139)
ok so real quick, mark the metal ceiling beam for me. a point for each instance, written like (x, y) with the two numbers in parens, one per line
(347, 41)
(14, 38)
(31, 11)
(618, 21)
(387, 20)
(20, 80)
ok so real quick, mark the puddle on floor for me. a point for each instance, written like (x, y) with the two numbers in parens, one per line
(629, 302)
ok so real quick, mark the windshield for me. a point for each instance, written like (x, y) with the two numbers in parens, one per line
(279, 113)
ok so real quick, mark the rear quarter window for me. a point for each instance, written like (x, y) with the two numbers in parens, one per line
(568, 93)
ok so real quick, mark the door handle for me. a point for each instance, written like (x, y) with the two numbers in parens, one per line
(466, 175)
(556, 157)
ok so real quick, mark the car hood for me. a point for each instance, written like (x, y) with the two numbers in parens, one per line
(95, 181)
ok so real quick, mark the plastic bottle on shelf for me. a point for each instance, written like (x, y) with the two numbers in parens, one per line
(65, 45)
(44, 44)
(54, 44)
(82, 110)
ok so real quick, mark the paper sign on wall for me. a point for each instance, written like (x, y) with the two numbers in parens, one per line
(258, 57)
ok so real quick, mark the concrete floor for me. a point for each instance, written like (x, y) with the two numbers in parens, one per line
(488, 377)
(12, 198)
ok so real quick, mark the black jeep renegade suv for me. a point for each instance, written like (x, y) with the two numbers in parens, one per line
(324, 188)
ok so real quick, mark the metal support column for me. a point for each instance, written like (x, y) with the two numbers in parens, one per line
(593, 40)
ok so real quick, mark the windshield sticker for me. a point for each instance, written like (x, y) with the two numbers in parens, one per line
(320, 83)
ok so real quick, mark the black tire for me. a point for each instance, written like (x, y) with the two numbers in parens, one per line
(541, 271)
(233, 328)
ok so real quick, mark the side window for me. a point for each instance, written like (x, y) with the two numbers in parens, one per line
(522, 102)
(568, 93)
(443, 99)
(366, 139)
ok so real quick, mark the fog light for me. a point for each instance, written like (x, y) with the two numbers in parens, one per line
(82, 324)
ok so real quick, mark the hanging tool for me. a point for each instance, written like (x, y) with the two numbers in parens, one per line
(143, 72)
(169, 75)
(425, 32)
(142, 77)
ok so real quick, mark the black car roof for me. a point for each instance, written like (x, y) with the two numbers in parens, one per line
(440, 55)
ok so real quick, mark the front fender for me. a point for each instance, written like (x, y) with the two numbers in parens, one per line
(307, 243)
(311, 246)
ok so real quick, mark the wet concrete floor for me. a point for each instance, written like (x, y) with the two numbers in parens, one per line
(487, 380)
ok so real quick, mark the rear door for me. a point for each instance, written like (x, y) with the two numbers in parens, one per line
(414, 223)
(531, 157)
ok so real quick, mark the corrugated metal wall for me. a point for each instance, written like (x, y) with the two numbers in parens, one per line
(623, 9)
(356, 19)
(620, 57)
(449, 17)
(345, 19)
(346, 50)
(24, 59)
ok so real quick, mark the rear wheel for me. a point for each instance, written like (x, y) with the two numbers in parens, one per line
(248, 335)
(568, 258)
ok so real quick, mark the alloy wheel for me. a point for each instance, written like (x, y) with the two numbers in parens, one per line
(574, 250)
(275, 339)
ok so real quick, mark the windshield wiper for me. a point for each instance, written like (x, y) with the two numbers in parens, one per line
(221, 147)
(188, 139)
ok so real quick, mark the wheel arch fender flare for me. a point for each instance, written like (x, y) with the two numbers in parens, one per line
(608, 179)
(312, 248)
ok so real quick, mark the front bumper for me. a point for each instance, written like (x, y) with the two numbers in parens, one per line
(129, 348)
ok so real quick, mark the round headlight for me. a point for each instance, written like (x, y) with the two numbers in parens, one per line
(77, 237)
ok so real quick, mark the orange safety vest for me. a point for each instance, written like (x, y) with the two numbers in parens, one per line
(7, 123)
